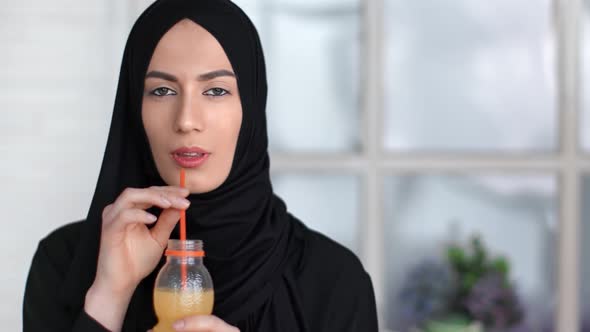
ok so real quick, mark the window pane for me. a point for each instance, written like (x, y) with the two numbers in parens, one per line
(458, 73)
(327, 203)
(313, 74)
(514, 217)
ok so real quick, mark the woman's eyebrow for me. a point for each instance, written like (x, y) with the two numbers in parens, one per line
(214, 74)
(203, 77)
(162, 75)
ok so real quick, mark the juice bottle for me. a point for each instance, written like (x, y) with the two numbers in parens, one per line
(183, 285)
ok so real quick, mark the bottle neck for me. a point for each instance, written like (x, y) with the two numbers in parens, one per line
(184, 260)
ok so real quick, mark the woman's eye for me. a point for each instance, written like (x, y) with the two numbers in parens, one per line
(160, 92)
(216, 92)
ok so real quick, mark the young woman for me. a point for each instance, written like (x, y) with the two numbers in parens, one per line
(192, 94)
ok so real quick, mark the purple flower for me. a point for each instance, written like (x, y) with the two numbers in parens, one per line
(494, 303)
(427, 293)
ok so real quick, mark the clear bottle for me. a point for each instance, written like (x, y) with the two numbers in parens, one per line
(183, 285)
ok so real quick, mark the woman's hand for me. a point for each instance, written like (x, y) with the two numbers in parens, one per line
(129, 250)
(203, 323)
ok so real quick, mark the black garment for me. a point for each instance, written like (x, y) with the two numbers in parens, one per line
(267, 268)
(329, 291)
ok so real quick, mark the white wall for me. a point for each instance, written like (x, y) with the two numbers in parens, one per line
(59, 63)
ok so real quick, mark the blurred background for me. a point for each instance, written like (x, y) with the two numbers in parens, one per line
(444, 142)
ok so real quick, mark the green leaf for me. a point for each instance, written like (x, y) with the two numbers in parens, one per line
(479, 255)
(456, 257)
(501, 265)
(469, 281)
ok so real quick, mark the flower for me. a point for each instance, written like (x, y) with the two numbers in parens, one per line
(427, 292)
(494, 302)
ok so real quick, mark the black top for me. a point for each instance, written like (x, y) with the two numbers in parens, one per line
(330, 288)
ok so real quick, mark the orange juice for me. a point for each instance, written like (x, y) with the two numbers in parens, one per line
(173, 305)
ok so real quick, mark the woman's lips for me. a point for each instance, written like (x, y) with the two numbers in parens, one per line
(190, 157)
(190, 161)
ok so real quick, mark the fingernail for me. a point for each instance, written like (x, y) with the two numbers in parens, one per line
(184, 202)
(166, 201)
(152, 217)
(178, 325)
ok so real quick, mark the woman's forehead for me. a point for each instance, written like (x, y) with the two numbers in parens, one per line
(188, 44)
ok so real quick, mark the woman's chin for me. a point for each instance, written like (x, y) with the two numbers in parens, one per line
(201, 188)
(196, 182)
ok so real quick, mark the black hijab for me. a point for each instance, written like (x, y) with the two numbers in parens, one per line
(249, 237)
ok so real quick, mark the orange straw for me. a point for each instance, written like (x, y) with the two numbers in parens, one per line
(182, 212)
(183, 230)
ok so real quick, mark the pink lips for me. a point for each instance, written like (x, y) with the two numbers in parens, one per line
(190, 157)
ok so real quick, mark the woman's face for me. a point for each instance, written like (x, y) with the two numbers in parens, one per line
(191, 108)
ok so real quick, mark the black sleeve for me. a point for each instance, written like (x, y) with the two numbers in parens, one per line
(352, 305)
(363, 311)
(42, 310)
(366, 309)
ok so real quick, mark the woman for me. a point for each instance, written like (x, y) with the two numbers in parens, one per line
(192, 94)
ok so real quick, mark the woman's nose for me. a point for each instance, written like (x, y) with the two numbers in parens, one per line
(190, 116)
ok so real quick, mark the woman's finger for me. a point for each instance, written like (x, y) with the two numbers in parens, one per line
(143, 198)
(132, 197)
(161, 231)
(172, 193)
(173, 189)
(131, 216)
